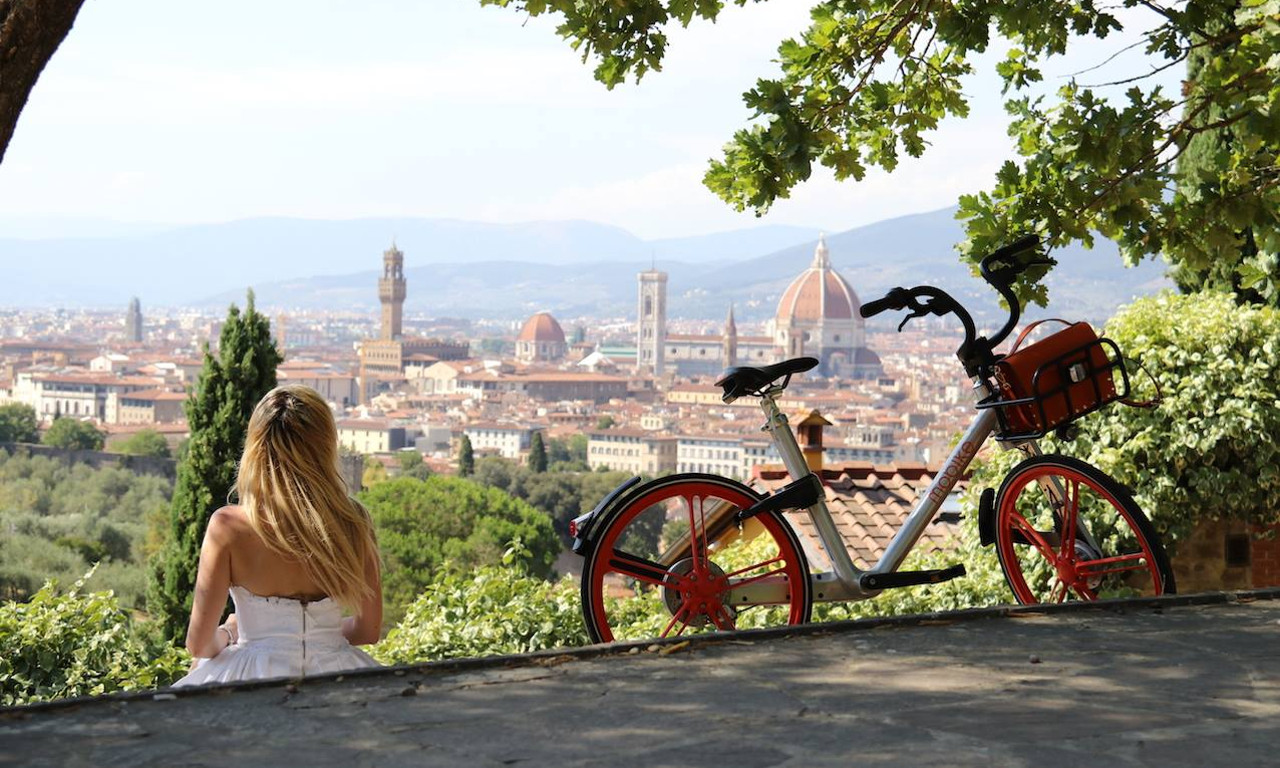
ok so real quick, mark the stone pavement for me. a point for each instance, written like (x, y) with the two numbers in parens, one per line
(1182, 681)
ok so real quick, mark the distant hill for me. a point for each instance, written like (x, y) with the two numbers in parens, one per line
(573, 268)
(905, 251)
(187, 265)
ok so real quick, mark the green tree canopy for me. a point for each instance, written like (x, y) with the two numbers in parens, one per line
(18, 424)
(229, 387)
(870, 80)
(412, 465)
(147, 442)
(424, 524)
(75, 435)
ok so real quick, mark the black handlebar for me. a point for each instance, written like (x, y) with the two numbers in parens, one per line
(894, 299)
(999, 268)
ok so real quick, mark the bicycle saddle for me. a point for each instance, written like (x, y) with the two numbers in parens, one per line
(746, 380)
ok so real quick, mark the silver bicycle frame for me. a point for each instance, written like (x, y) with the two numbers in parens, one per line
(842, 582)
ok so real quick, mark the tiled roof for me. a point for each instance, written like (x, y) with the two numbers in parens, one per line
(868, 504)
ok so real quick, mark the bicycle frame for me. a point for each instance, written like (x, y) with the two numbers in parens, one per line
(842, 582)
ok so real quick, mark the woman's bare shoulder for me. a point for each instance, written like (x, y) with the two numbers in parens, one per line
(229, 521)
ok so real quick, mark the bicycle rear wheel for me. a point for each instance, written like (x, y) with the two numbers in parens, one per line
(1065, 530)
(672, 560)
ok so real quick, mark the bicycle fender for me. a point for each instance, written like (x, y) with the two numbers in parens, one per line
(580, 527)
(987, 517)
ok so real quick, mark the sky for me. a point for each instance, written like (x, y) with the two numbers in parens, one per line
(162, 112)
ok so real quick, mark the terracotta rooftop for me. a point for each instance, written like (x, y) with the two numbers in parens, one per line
(868, 504)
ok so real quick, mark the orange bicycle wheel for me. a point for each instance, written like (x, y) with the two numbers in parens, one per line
(672, 559)
(1067, 531)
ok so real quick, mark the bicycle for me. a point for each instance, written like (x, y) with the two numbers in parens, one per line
(708, 548)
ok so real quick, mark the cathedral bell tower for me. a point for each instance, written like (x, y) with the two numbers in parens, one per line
(651, 322)
(391, 292)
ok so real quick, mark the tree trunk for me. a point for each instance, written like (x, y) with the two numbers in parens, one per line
(30, 31)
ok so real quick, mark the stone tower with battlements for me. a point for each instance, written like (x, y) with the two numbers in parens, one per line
(651, 322)
(391, 292)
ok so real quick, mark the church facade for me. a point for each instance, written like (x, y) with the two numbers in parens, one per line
(817, 316)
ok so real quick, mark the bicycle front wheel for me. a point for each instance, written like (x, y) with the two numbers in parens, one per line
(672, 560)
(1065, 530)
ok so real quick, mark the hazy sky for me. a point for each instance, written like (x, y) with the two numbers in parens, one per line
(178, 112)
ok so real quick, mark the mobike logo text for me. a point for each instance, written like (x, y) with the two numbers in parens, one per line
(951, 472)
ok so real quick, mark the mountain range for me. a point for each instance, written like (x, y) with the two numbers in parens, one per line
(472, 269)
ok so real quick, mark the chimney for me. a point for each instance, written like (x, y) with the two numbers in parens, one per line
(809, 434)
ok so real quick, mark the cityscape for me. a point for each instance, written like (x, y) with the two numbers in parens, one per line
(641, 391)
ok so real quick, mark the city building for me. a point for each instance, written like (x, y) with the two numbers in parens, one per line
(817, 316)
(634, 451)
(148, 406)
(382, 360)
(510, 441)
(373, 435)
(541, 340)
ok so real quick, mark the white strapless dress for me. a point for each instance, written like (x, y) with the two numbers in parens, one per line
(281, 637)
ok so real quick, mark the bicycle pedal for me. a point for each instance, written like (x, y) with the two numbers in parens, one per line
(911, 578)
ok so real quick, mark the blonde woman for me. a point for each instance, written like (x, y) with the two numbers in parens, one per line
(295, 553)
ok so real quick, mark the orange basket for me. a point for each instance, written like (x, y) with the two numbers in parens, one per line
(1055, 381)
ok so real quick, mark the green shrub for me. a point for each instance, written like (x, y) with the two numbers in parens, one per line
(493, 610)
(77, 644)
(1209, 450)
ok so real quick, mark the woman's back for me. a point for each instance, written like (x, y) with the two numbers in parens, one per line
(260, 569)
(294, 554)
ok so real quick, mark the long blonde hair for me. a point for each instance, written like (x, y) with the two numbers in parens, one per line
(295, 498)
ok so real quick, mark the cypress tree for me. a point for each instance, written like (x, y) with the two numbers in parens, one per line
(466, 457)
(218, 411)
(537, 453)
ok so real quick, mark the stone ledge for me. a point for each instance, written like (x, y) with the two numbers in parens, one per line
(562, 655)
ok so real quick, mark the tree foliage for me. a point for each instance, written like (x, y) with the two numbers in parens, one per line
(562, 495)
(146, 442)
(74, 435)
(870, 80)
(58, 518)
(18, 424)
(230, 385)
(77, 644)
(412, 465)
(422, 525)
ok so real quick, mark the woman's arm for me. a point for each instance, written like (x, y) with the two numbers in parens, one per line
(213, 579)
(367, 627)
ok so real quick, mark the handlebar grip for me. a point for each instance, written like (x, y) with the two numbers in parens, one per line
(1026, 242)
(892, 300)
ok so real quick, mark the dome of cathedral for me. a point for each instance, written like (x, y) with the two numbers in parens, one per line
(542, 327)
(818, 293)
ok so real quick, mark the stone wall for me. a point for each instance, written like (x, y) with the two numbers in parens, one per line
(1266, 556)
(143, 465)
(1201, 562)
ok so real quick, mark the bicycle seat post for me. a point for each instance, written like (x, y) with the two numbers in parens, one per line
(779, 429)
